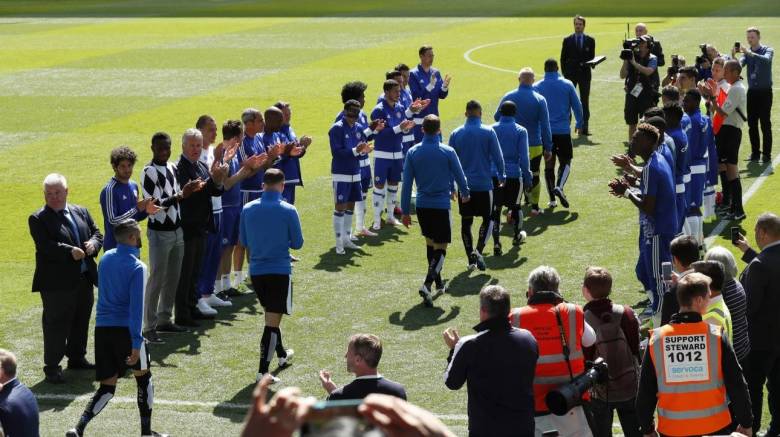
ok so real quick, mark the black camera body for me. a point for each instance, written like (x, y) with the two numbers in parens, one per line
(629, 47)
(568, 396)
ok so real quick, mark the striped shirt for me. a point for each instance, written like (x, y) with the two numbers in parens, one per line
(736, 301)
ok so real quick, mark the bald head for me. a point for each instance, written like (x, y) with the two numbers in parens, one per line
(640, 29)
(526, 76)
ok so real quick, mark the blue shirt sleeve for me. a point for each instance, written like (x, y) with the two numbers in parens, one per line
(525, 160)
(544, 124)
(406, 188)
(296, 235)
(456, 170)
(136, 306)
(242, 229)
(653, 62)
(497, 114)
(337, 145)
(577, 106)
(650, 180)
(497, 156)
(414, 85)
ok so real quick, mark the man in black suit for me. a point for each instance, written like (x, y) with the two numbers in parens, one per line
(578, 49)
(66, 244)
(761, 279)
(196, 220)
(18, 407)
(363, 354)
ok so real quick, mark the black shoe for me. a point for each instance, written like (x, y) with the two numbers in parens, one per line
(189, 323)
(55, 377)
(152, 337)
(426, 295)
(224, 296)
(562, 197)
(754, 157)
(171, 327)
(766, 159)
(232, 292)
(197, 315)
(642, 303)
(738, 216)
(497, 250)
(80, 364)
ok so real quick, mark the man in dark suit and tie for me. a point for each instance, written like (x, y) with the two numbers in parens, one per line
(761, 279)
(18, 407)
(66, 244)
(578, 49)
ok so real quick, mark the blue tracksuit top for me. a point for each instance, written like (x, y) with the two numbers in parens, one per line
(698, 135)
(118, 202)
(269, 228)
(343, 142)
(477, 147)
(562, 100)
(419, 86)
(531, 114)
(251, 146)
(367, 132)
(759, 67)
(513, 140)
(121, 291)
(432, 166)
(232, 197)
(682, 156)
(290, 165)
(389, 139)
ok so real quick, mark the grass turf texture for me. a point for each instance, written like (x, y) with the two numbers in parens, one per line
(73, 89)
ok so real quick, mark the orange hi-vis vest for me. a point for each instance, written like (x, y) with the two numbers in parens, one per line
(691, 394)
(717, 119)
(551, 368)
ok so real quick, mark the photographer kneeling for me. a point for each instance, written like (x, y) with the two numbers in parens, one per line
(561, 332)
(690, 373)
(640, 71)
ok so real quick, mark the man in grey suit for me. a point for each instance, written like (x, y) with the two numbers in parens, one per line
(66, 244)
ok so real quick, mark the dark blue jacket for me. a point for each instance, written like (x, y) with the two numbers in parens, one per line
(498, 365)
(18, 410)
(361, 387)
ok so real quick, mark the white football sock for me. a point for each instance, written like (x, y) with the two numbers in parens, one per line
(379, 204)
(392, 194)
(360, 215)
(338, 226)
(347, 225)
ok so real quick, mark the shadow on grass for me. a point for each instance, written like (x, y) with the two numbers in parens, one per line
(463, 284)
(753, 169)
(77, 382)
(726, 232)
(330, 261)
(420, 316)
(583, 140)
(509, 260)
(540, 223)
(230, 410)
(386, 234)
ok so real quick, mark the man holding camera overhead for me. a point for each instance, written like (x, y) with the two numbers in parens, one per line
(640, 71)
(561, 332)
(691, 374)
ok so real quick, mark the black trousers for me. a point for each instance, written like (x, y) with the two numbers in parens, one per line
(194, 250)
(759, 110)
(65, 321)
(764, 367)
(582, 79)
(603, 414)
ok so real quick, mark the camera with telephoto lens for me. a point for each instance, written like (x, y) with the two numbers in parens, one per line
(569, 395)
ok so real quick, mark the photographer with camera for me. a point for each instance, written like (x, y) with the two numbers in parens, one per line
(678, 62)
(561, 332)
(640, 71)
(641, 30)
(704, 61)
(690, 373)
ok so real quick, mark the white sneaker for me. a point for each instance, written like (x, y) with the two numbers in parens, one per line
(392, 221)
(340, 250)
(205, 308)
(274, 380)
(377, 226)
(214, 301)
(353, 237)
(286, 361)
(348, 244)
(366, 233)
(552, 204)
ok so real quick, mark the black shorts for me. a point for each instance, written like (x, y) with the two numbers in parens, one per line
(727, 143)
(435, 224)
(275, 292)
(635, 107)
(510, 194)
(562, 147)
(112, 348)
(480, 204)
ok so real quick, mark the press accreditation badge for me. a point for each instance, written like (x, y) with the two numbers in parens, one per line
(686, 358)
(637, 90)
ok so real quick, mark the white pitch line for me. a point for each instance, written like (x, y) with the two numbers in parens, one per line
(199, 404)
(745, 198)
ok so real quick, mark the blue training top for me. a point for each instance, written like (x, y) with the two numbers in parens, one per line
(269, 228)
(513, 140)
(477, 147)
(432, 166)
(657, 181)
(562, 100)
(121, 291)
(531, 114)
(119, 203)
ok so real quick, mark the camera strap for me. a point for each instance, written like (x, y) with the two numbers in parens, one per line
(741, 115)
(564, 343)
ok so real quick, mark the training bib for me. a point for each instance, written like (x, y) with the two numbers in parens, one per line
(686, 358)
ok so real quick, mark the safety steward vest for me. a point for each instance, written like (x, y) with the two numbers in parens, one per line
(717, 119)
(551, 369)
(691, 394)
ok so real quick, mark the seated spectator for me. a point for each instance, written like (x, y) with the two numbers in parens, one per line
(363, 354)
(617, 342)
(736, 301)
(717, 312)
(18, 407)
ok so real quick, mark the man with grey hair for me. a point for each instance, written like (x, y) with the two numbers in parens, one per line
(66, 244)
(18, 407)
(552, 321)
(761, 279)
(196, 219)
(533, 116)
(498, 366)
(736, 301)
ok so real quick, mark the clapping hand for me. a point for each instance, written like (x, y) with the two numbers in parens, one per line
(451, 337)
(363, 148)
(254, 162)
(447, 79)
(89, 248)
(419, 105)
(630, 179)
(406, 125)
(219, 172)
(622, 161)
(305, 141)
(230, 150)
(326, 382)
(618, 187)
(192, 186)
(377, 125)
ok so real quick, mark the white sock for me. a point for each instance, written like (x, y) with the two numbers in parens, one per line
(217, 286)
(360, 215)
(392, 194)
(347, 225)
(700, 229)
(338, 226)
(379, 203)
(236, 279)
(226, 282)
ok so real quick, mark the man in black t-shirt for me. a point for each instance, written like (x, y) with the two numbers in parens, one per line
(363, 354)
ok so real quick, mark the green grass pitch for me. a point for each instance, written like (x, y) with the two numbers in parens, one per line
(71, 89)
